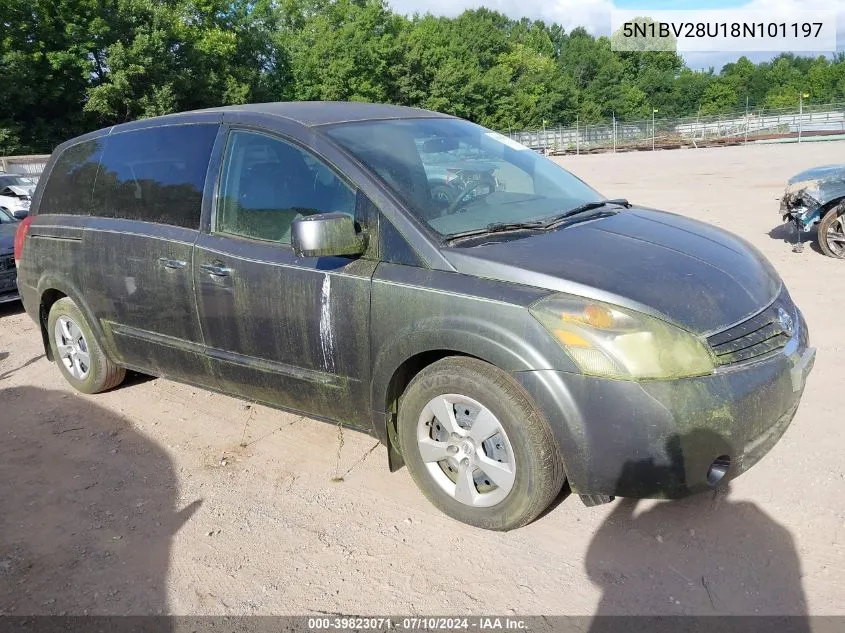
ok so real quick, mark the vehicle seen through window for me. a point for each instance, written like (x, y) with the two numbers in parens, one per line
(457, 176)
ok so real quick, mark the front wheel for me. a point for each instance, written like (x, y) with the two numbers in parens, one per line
(476, 446)
(832, 232)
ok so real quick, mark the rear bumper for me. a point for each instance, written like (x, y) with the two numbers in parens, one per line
(659, 438)
(29, 298)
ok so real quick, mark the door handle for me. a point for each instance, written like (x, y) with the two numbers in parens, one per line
(217, 270)
(171, 263)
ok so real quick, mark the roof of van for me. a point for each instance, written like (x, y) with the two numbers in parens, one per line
(307, 113)
(312, 113)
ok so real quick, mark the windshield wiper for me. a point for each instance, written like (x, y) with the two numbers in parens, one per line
(499, 227)
(537, 225)
(555, 220)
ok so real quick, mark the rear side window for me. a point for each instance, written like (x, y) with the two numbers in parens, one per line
(155, 174)
(71, 181)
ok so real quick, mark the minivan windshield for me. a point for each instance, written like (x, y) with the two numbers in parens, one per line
(460, 177)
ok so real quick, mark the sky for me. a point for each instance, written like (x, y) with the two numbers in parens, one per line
(594, 15)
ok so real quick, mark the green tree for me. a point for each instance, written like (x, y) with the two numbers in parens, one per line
(343, 50)
(720, 96)
(69, 66)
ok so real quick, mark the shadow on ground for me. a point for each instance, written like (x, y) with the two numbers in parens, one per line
(787, 233)
(703, 555)
(87, 509)
(10, 372)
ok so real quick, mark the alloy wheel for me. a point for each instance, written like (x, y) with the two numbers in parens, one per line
(835, 236)
(72, 347)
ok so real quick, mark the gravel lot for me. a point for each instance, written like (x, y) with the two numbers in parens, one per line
(161, 498)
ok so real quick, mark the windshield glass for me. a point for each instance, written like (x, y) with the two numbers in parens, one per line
(5, 218)
(15, 181)
(458, 176)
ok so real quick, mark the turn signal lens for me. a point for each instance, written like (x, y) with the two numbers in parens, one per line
(593, 315)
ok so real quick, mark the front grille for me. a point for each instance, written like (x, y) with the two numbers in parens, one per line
(7, 263)
(759, 336)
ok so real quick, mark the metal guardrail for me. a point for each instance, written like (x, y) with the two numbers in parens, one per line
(30, 166)
(801, 124)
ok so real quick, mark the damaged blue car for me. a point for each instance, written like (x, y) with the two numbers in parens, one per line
(817, 196)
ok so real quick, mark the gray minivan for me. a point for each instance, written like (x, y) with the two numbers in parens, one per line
(503, 341)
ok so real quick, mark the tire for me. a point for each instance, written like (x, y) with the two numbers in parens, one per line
(523, 454)
(80, 351)
(833, 225)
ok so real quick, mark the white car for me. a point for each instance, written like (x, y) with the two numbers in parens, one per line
(16, 194)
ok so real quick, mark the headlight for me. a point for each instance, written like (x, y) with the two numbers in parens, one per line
(612, 342)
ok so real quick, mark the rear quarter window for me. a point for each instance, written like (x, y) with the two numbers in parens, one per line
(71, 181)
(155, 174)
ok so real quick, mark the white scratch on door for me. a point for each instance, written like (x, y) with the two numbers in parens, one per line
(326, 334)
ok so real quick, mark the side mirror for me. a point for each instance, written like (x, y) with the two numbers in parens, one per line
(326, 235)
(20, 214)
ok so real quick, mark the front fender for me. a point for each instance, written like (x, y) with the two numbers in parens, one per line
(417, 311)
(466, 335)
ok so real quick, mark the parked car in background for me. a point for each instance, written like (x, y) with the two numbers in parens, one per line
(817, 196)
(15, 194)
(8, 273)
(294, 254)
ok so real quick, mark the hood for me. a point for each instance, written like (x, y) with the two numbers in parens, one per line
(820, 173)
(7, 238)
(696, 275)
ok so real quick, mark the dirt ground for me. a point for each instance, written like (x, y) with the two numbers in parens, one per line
(162, 498)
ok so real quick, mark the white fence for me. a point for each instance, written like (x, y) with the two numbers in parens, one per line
(755, 126)
(31, 166)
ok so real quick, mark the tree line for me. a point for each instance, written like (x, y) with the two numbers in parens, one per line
(70, 66)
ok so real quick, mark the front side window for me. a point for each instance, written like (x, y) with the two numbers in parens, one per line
(268, 183)
(457, 176)
(155, 174)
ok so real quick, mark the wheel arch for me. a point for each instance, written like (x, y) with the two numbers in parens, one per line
(397, 365)
(831, 204)
(52, 288)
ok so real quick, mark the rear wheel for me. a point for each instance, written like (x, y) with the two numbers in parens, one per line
(832, 232)
(79, 356)
(476, 446)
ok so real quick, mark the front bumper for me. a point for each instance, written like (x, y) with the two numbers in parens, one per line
(802, 211)
(659, 438)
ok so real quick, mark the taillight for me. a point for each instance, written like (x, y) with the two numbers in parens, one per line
(20, 236)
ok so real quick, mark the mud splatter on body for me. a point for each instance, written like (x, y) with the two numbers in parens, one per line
(326, 335)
